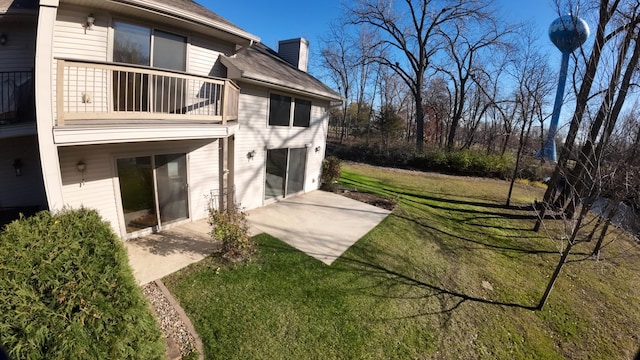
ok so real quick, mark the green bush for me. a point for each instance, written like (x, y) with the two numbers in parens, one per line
(464, 162)
(459, 161)
(331, 172)
(232, 229)
(531, 169)
(67, 292)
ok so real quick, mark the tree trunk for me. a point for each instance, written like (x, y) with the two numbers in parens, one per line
(419, 119)
(581, 105)
(606, 116)
(523, 140)
(563, 258)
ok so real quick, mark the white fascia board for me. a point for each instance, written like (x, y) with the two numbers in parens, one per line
(193, 17)
(284, 86)
(85, 135)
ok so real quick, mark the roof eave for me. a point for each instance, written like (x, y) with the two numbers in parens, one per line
(275, 84)
(187, 15)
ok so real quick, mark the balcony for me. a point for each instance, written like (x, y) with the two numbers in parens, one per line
(16, 98)
(109, 94)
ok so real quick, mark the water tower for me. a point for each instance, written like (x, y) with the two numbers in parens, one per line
(567, 33)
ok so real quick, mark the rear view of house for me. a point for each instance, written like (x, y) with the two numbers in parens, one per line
(151, 111)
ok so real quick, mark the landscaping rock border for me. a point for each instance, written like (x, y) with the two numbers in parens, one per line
(182, 338)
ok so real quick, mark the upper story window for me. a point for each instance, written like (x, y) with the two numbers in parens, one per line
(280, 111)
(132, 44)
(141, 45)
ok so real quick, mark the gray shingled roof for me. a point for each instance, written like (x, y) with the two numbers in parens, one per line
(259, 63)
(196, 8)
(17, 5)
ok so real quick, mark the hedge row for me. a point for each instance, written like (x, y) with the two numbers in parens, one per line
(464, 162)
(67, 292)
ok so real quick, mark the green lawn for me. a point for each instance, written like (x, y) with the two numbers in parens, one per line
(418, 285)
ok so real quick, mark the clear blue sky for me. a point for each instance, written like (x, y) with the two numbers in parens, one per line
(286, 19)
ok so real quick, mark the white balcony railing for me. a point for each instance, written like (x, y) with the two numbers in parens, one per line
(94, 91)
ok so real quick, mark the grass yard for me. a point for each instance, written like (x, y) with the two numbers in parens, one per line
(450, 274)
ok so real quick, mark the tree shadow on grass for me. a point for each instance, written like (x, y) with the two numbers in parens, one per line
(433, 202)
(392, 278)
(408, 194)
(389, 280)
(483, 245)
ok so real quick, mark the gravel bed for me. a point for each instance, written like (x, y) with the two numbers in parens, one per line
(173, 328)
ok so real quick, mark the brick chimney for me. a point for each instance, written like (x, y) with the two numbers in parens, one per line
(295, 52)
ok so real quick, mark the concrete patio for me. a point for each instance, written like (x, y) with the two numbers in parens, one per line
(321, 224)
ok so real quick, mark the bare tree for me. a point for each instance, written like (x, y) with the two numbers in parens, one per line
(465, 45)
(412, 33)
(338, 59)
(531, 73)
(593, 173)
(437, 107)
(606, 31)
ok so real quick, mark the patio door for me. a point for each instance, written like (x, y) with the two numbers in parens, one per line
(153, 190)
(285, 170)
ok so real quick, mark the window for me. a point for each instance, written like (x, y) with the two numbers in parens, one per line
(134, 91)
(302, 113)
(280, 111)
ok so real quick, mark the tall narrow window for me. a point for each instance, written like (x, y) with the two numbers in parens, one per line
(131, 45)
(169, 52)
(302, 113)
(279, 110)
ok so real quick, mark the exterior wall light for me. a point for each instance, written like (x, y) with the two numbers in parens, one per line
(90, 20)
(17, 166)
(317, 149)
(81, 167)
(251, 154)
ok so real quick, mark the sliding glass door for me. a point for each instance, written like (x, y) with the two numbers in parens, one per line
(171, 180)
(138, 193)
(285, 170)
(154, 190)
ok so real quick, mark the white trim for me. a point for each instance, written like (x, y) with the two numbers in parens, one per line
(183, 15)
(85, 135)
(49, 160)
(51, 3)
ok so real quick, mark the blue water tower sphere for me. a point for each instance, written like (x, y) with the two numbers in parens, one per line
(568, 32)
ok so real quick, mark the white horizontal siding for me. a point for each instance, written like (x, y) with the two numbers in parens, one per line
(25, 190)
(203, 57)
(255, 134)
(72, 41)
(18, 53)
(203, 178)
(100, 188)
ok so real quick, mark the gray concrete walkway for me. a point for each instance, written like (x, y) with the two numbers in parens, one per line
(157, 255)
(321, 224)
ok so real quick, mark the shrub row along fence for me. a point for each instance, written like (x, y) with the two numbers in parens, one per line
(462, 162)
